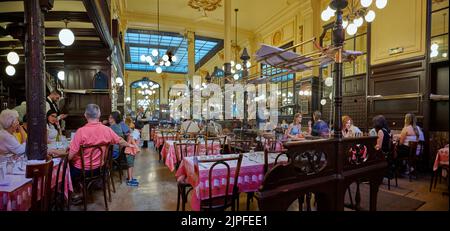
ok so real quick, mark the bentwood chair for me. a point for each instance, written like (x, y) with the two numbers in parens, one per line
(210, 143)
(41, 175)
(183, 150)
(91, 175)
(117, 165)
(228, 200)
(58, 202)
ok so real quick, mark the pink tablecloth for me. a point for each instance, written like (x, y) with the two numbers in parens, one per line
(159, 140)
(441, 158)
(168, 152)
(250, 177)
(19, 199)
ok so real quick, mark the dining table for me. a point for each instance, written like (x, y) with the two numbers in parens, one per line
(168, 152)
(250, 177)
(15, 189)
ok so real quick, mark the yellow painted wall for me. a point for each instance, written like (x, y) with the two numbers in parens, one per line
(402, 24)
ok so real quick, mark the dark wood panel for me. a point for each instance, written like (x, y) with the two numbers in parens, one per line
(50, 16)
(398, 67)
(396, 106)
(404, 84)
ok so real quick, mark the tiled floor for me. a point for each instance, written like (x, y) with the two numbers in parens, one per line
(158, 192)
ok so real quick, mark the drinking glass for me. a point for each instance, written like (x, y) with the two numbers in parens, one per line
(9, 166)
(2, 171)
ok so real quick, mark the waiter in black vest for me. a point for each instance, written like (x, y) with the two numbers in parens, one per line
(51, 103)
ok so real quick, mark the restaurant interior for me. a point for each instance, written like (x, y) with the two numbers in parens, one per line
(213, 105)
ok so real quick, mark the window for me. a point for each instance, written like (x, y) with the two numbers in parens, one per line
(142, 42)
(439, 31)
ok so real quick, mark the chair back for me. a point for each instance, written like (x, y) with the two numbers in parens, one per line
(270, 144)
(60, 187)
(41, 175)
(185, 149)
(168, 135)
(210, 143)
(240, 146)
(94, 153)
(224, 161)
(413, 148)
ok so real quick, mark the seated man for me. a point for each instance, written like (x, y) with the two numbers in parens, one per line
(320, 127)
(93, 133)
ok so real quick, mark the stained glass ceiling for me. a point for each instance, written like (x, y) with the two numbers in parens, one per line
(142, 42)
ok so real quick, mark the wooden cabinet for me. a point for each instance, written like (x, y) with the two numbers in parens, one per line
(355, 85)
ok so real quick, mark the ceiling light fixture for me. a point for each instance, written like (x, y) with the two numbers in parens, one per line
(66, 36)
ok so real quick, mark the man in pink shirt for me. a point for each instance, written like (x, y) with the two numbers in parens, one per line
(93, 133)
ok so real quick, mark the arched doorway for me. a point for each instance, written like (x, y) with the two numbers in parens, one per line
(146, 93)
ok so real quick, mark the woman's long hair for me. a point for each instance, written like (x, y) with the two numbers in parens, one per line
(295, 119)
(410, 119)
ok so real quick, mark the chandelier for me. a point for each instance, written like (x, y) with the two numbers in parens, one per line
(205, 5)
(155, 59)
(358, 11)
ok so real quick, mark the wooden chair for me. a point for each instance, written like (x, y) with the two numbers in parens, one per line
(91, 175)
(117, 165)
(210, 142)
(226, 201)
(392, 163)
(411, 160)
(239, 146)
(58, 198)
(181, 151)
(41, 175)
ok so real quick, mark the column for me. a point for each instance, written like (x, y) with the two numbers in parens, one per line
(35, 77)
(227, 45)
(191, 66)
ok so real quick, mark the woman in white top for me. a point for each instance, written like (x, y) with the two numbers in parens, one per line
(410, 132)
(52, 126)
(9, 123)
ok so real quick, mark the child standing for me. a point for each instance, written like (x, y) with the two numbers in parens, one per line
(131, 152)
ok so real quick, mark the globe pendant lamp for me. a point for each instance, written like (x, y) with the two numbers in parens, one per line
(66, 36)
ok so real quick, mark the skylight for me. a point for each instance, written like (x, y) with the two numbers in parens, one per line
(142, 42)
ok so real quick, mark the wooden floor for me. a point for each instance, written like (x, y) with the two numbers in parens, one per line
(158, 192)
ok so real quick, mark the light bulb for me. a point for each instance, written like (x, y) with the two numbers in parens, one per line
(119, 81)
(329, 82)
(150, 84)
(151, 64)
(232, 63)
(165, 58)
(344, 23)
(233, 71)
(301, 93)
(366, 3)
(323, 102)
(444, 55)
(159, 70)
(155, 52)
(358, 22)
(331, 96)
(148, 59)
(174, 58)
(352, 29)
(434, 47)
(434, 54)
(167, 64)
(10, 70)
(381, 4)
(249, 64)
(325, 16)
(128, 99)
(370, 16)
(143, 58)
(238, 66)
(66, 37)
(13, 58)
(235, 76)
(61, 75)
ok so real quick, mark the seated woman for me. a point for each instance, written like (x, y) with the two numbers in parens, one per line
(9, 123)
(294, 130)
(410, 132)
(114, 123)
(53, 129)
(348, 129)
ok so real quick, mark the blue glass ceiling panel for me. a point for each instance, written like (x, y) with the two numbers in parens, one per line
(142, 42)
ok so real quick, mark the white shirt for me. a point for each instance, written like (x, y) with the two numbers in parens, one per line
(189, 127)
(52, 133)
(9, 144)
